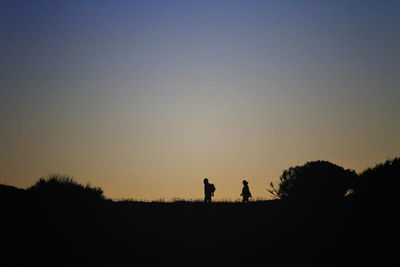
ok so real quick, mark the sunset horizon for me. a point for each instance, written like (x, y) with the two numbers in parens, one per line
(146, 99)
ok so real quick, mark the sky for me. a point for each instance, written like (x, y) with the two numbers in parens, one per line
(146, 98)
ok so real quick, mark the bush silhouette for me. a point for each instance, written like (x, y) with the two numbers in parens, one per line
(380, 182)
(63, 188)
(316, 180)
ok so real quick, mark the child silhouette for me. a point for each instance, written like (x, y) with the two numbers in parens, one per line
(245, 192)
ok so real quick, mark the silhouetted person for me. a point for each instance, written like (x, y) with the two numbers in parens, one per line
(245, 192)
(208, 190)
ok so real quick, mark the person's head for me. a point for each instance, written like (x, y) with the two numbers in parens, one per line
(245, 182)
(205, 180)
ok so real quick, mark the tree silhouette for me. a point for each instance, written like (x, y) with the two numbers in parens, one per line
(316, 180)
(380, 182)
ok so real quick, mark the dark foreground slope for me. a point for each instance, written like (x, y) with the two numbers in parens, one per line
(68, 232)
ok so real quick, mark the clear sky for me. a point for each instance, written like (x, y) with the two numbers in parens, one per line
(146, 98)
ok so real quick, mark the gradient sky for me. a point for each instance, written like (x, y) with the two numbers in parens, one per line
(146, 98)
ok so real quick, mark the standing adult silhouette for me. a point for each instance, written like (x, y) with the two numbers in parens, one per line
(245, 192)
(208, 190)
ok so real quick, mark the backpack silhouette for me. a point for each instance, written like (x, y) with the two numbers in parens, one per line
(212, 189)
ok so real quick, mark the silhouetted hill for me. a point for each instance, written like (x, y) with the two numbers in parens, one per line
(124, 233)
(9, 193)
(62, 223)
(12, 199)
(9, 190)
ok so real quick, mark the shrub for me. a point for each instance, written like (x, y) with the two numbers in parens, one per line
(316, 180)
(380, 182)
(63, 187)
